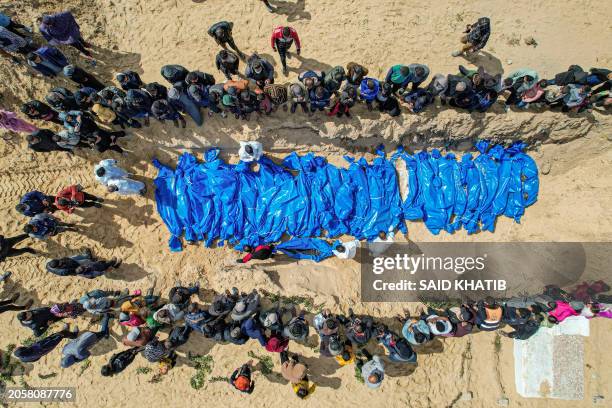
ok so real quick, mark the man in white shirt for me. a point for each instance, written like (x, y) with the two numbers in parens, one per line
(346, 250)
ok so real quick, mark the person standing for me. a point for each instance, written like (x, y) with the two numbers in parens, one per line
(34, 202)
(38, 110)
(49, 61)
(43, 226)
(227, 62)
(241, 379)
(475, 36)
(222, 33)
(7, 244)
(82, 78)
(62, 28)
(281, 40)
(73, 197)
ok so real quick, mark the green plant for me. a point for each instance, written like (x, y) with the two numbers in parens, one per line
(497, 343)
(47, 376)
(143, 370)
(267, 364)
(85, 366)
(218, 379)
(203, 366)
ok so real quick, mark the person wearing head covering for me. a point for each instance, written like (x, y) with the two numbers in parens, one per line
(156, 91)
(42, 347)
(38, 110)
(179, 98)
(77, 350)
(228, 63)
(61, 99)
(259, 70)
(320, 98)
(163, 110)
(246, 305)
(333, 79)
(252, 328)
(277, 95)
(7, 244)
(297, 328)
(129, 79)
(10, 121)
(463, 319)
(223, 304)
(181, 295)
(222, 34)
(296, 373)
(62, 28)
(475, 36)
(372, 369)
(241, 379)
(311, 79)
(357, 329)
(346, 250)
(174, 73)
(281, 40)
(42, 141)
(355, 73)
(47, 60)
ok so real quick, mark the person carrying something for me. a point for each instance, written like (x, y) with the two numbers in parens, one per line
(281, 40)
(475, 36)
(228, 63)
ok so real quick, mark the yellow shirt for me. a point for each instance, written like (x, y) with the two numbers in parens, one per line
(103, 114)
(344, 362)
(304, 384)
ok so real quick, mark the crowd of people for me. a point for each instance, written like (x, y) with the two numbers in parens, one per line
(158, 327)
(89, 113)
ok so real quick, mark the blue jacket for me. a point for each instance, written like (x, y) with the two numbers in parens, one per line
(319, 102)
(33, 200)
(252, 328)
(53, 61)
(366, 93)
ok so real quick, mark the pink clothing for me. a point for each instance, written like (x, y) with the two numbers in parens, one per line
(134, 321)
(10, 121)
(563, 311)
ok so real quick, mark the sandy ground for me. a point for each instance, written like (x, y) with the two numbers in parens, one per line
(142, 35)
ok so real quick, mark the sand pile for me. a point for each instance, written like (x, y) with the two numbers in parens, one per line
(572, 151)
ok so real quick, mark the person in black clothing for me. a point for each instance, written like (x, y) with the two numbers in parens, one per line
(61, 99)
(268, 6)
(178, 336)
(9, 304)
(82, 77)
(199, 78)
(119, 361)
(40, 348)
(38, 320)
(7, 244)
(104, 140)
(84, 264)
(129, 80)
(241, 379)
(476, 36)
(228, 63)
(42, 141)
(40, 111)
(157, 91)
(222, 33)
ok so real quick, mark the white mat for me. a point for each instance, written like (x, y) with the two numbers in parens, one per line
(551, 363)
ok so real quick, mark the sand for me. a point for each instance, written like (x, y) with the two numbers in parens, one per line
(475, 371)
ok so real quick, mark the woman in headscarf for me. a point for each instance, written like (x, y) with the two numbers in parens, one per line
(62, 28)
(10, 121)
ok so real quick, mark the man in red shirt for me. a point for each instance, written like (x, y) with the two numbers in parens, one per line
(281, 40)
(73, 196)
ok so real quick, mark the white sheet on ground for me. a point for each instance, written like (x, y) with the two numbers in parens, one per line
(551, 363)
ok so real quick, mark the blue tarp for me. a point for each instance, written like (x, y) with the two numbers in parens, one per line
(306, 197)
